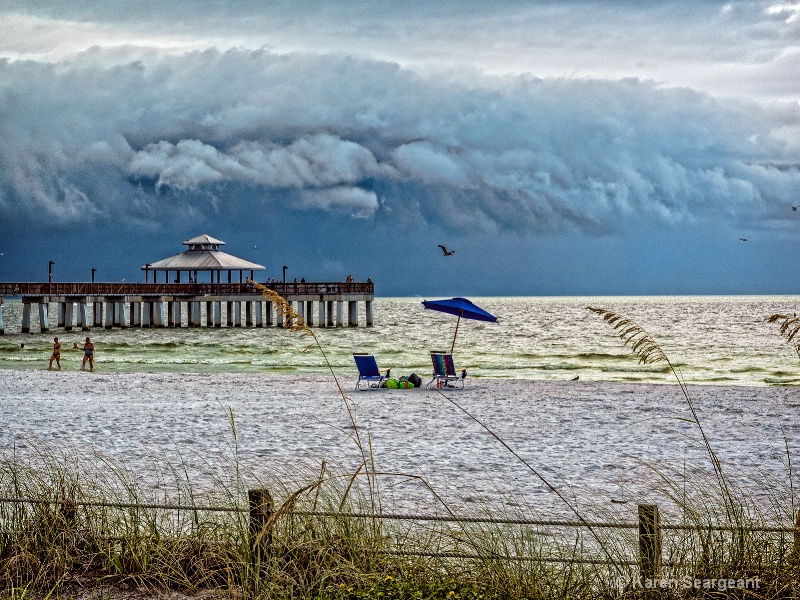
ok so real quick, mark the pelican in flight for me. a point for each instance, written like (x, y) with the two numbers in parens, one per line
(446, 251)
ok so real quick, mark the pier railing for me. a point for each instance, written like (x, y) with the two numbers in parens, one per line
(36, 289)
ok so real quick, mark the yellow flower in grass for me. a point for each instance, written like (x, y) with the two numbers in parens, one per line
(389, 578)
(452, 593)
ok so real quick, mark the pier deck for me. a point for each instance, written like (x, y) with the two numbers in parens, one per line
(290, 291)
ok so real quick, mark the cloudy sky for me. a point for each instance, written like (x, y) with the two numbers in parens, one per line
(559, 147)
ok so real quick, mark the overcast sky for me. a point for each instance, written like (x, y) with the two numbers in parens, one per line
(559, 147)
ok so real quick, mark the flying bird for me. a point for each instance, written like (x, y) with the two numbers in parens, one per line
(795, 207)
(743, 239)
(446, 251)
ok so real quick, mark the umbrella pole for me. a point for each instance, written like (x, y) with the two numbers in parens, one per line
(453, 345)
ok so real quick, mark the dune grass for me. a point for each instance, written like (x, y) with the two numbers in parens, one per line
(81, 531)
(85, 526)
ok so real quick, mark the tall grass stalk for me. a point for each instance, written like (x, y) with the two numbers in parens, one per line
(738, 550)
(649, 352)
(789, 327)
(541, 477)
(293, 321)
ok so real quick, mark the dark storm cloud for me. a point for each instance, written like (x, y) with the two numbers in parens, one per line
(134, 131)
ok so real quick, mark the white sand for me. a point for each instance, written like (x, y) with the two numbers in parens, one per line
(593, 441)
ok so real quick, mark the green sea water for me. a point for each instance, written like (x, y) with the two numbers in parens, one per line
(710, 339)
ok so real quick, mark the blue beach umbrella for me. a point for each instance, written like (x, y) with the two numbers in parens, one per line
(461, 307)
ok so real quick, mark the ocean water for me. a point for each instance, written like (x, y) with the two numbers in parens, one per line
(710, 339)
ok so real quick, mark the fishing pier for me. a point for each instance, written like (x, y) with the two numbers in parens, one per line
(195, 297)
(122, 305)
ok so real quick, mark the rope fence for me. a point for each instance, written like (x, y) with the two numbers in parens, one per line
(262, 517)
(401, 516)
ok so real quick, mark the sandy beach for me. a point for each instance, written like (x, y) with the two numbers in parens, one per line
(593, 441)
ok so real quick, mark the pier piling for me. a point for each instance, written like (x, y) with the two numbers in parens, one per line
(158, 313)
(26, 317)
(352, 314)
(69, 315)
(44, 316)
(268, 314)
(83, 314)
(110, 310)
(217, 314)
(248, 314)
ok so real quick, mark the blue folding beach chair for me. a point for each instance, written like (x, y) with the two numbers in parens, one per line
(444, 372)
(368, 371)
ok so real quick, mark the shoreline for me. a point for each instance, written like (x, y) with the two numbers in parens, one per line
(710, 342)
(224, 370)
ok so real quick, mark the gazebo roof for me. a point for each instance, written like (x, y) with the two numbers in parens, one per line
(207, 258)
(203, 239)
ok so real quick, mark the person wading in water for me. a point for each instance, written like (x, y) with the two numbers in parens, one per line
(56, 355)
(88, 354)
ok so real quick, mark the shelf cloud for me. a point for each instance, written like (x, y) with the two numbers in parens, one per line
(520, 153)
(129, 124)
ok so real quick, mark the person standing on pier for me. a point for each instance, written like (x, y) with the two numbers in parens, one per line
(56, 355)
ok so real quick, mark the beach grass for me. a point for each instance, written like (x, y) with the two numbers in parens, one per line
(89, 528)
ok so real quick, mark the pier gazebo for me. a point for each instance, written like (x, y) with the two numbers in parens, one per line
(203, 256)
(174, 303)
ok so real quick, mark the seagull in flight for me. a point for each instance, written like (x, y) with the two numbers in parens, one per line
(446, 251)
(744, 239)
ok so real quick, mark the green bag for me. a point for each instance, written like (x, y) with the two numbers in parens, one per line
(405, 383)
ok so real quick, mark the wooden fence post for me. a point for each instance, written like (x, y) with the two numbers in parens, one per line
(794, 555)
(649, 542)
(260, 513)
